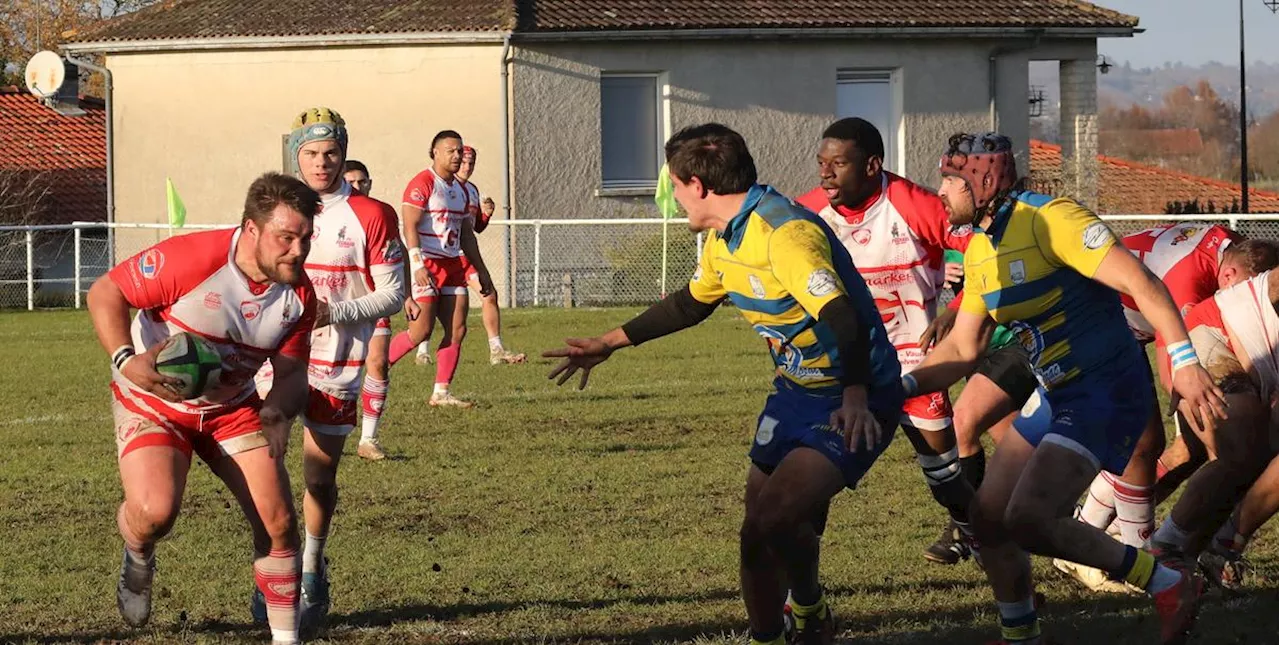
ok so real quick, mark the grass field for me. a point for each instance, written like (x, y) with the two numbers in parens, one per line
(545, 515)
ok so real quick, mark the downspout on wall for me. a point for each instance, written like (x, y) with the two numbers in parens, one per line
(506, 172)
(110, 118)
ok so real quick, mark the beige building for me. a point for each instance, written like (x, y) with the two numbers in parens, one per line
(568, 102)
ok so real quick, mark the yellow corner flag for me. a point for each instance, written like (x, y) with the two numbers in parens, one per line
(665, 196)
(177, 211)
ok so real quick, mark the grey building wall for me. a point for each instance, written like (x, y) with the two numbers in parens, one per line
(779, 94)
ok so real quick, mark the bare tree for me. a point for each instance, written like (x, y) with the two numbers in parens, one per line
(28, 26)
(24, 197)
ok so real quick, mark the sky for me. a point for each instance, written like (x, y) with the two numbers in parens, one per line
(1193, 32)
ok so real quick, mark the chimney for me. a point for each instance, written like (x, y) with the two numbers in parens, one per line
(67, 101)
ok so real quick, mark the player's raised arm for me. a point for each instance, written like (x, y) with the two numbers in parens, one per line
(956, 355)
(1078, 239)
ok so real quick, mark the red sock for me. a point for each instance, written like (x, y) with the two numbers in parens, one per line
(278, 575)
(372, 397)
(401, 345)
(447, 362)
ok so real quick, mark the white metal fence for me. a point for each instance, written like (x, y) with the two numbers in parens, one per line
(533, 262)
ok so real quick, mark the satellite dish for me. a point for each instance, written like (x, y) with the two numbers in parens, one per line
(45, 73)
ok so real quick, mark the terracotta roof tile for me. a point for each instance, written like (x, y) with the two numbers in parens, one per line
(1127, 187)
(70, 151)
(573, 15)
(266, 18)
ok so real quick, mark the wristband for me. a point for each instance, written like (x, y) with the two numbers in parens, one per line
(909, 385)
(415, 260)
(121, 356)
(1181, 354)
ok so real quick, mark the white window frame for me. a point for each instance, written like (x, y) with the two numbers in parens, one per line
(894, 151)
(662, 98)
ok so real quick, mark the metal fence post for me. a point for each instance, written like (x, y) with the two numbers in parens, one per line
(1233, 223)
(537, 259)
(31, 272)
(663, 288)
(75, 234)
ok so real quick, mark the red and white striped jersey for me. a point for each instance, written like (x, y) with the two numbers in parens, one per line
(444, 205)
(353, 239)
(897, 239)
(1186, 257)
(191, 283)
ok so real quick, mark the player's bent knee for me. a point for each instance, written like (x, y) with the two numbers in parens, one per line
(377, 366)
(1025, 523)
(987, 522)
(281, 525)
(152, 518)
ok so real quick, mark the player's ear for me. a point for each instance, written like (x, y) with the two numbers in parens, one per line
(874, 165)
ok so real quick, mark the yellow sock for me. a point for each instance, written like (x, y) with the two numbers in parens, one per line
(817, 609)
(1144, 564)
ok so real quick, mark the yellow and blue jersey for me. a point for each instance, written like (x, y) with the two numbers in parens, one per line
(779, 264)
(1032, 270)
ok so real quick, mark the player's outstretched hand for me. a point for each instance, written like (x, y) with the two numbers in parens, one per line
(412, 309)
(938, 329)
(579, 354)
(1193, 384)
(275, 427)
(855, 421)
(141, 370)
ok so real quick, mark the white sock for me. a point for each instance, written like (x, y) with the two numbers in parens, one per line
(1162, 578)
(1100, 504)
(369, 428)
(441, 388)
(495, 343)
(1135, 513)
(313, 554)
(1171, 534)
(424, 348)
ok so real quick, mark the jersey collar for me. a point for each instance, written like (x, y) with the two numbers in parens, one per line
(855, 214)
(1000, 221)
(734, 230)
(340, 195)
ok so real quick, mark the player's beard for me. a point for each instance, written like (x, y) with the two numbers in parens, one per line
(282, 270)
(957, 219)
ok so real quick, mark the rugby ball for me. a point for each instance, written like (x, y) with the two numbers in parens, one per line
(192, 360)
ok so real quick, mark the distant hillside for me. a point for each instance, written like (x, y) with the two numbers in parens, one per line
(1124, 85)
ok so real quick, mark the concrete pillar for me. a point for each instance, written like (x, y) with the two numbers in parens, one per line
(1078, 129)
